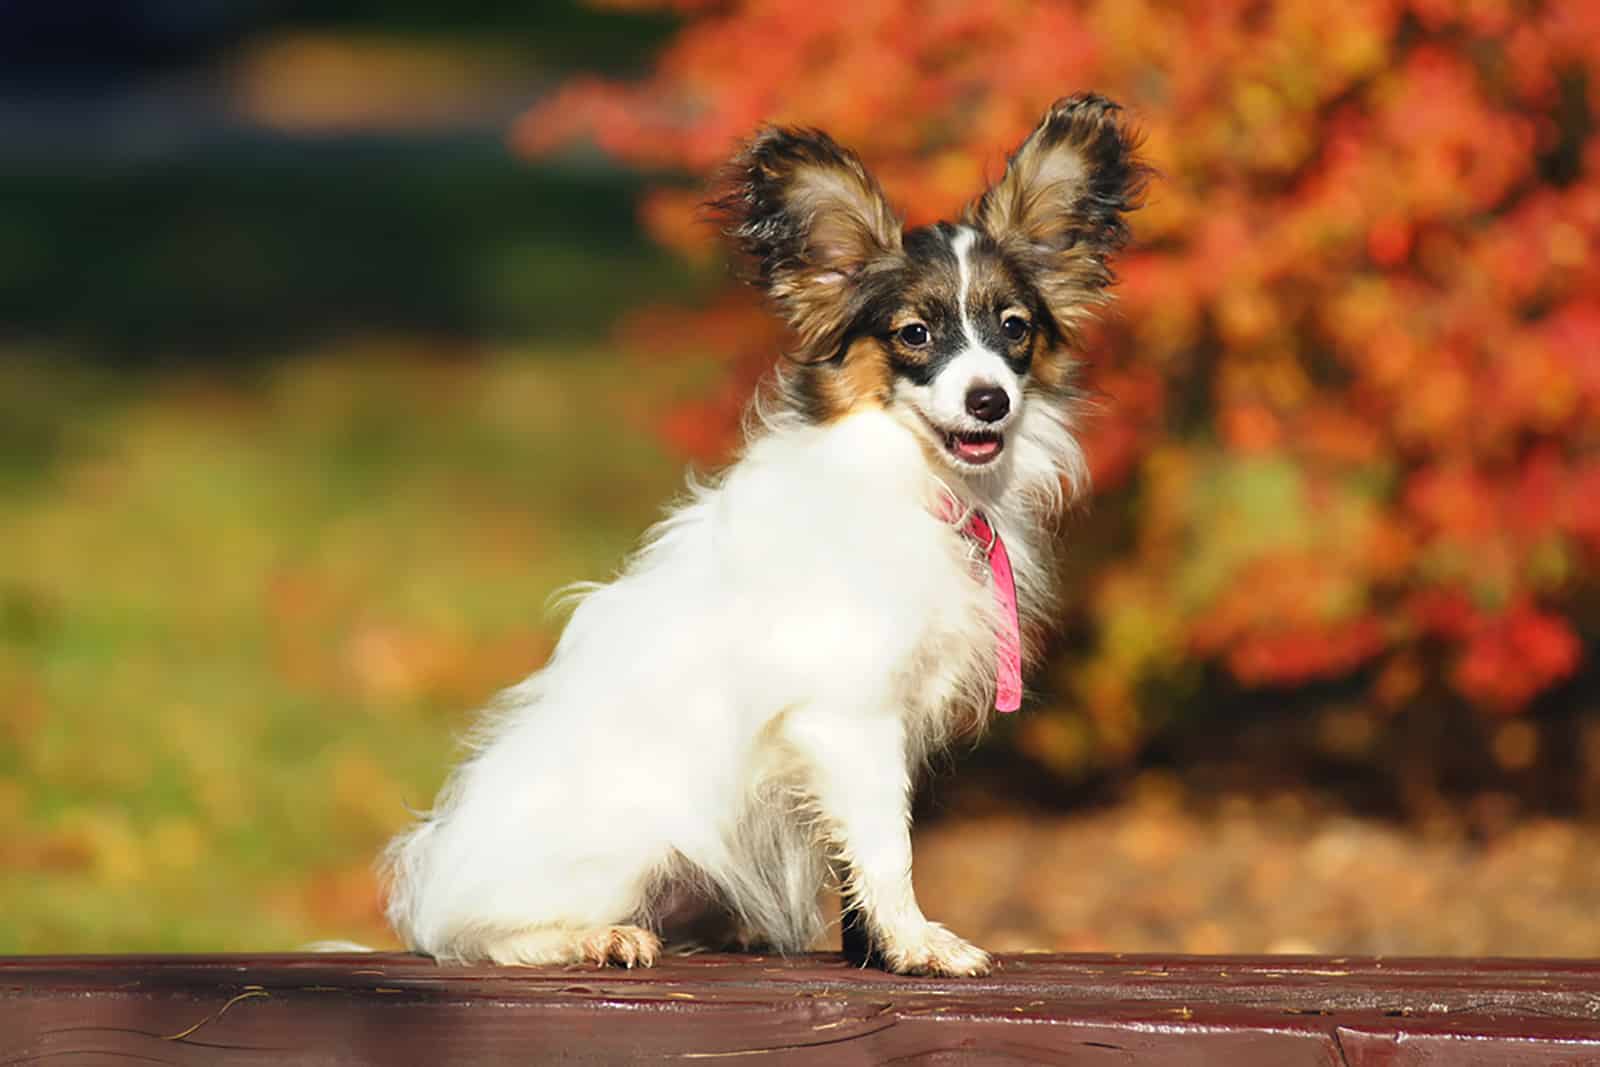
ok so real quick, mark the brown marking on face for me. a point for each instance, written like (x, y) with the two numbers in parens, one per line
(830, 252)
(992, 285)
(997, 291)
(1052, 365)
(929, 298)
(864, 381)
(860, 382)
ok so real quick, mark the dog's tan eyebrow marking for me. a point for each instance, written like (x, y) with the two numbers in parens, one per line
(862, 382)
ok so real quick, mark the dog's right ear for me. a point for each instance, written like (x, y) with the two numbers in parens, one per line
(1060, 207)
(812, 222)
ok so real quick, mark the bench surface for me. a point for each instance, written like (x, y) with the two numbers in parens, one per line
(1102, 1009)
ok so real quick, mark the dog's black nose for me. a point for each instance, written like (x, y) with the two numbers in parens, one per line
(988, 402)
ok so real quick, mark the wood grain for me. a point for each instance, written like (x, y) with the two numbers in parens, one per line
(397, 1009)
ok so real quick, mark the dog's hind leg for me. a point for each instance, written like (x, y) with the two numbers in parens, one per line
(533, 946)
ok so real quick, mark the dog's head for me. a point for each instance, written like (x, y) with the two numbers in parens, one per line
(952, 328)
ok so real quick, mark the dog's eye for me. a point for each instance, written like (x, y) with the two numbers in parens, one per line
(1015, 327)
(913, 334)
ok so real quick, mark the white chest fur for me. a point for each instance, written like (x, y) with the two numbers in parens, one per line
(753, 692)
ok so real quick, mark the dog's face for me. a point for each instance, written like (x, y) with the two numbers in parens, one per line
(955, 346)
(953, 328)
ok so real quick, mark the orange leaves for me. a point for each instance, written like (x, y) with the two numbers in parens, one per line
(1358, 351)
(1445, 148)
(1389, 240)
(1127, 406)
(1267, 658)
(793, 61)
(1454, 501)
(1571, 338)
(1583, 506)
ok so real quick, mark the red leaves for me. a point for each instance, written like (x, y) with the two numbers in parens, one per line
(1510, 659)
(1371, 260)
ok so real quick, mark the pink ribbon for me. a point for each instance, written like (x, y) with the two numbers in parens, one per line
(1008, 636)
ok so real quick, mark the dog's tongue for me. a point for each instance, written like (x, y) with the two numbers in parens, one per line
(977, 449)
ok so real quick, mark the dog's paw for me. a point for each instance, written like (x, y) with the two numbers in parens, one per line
(538, 946)
(935, 951)
(625, 946)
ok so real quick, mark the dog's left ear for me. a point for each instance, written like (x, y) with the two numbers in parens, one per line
(813, 223)
(1058, 209)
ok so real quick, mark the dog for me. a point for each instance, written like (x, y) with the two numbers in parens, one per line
(738, 718)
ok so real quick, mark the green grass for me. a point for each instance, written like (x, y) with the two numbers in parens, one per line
(242, 622)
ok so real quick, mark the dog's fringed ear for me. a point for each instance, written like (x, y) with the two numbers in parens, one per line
(1059, 207)
(813, 223)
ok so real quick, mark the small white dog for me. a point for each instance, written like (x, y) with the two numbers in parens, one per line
(741, 713)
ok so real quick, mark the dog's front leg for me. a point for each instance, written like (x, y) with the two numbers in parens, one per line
(855, 771)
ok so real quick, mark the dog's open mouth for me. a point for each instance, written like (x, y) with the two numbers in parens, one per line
(976, 448)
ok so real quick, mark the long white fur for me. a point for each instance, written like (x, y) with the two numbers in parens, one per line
(746, 704)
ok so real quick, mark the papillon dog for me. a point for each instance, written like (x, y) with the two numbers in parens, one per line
(737, 720)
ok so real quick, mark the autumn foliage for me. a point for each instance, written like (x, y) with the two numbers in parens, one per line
(1348, 410)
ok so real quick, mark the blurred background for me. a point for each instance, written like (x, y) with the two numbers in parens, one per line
(336, 334)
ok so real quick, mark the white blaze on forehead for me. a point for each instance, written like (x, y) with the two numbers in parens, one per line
(961, 245)
(976, 363)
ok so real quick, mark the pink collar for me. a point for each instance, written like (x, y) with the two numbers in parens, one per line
(1008, 635)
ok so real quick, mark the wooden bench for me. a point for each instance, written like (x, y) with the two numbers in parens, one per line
(1112, 1009)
